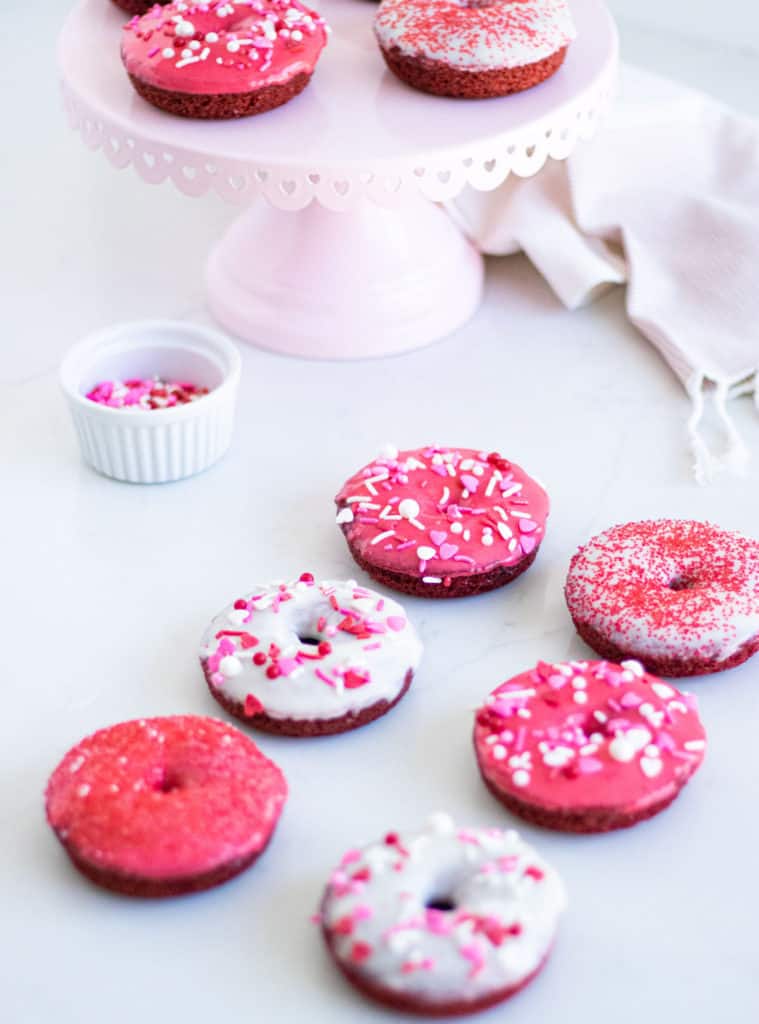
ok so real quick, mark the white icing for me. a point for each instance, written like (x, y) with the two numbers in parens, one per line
(502, 34)
(386, 656)
(610, 561)
(481, 871)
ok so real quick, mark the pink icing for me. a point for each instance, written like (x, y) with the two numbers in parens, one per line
(442, 512)
(590, 735)
(224, 46)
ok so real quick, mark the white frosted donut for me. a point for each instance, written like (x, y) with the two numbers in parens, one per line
(475, 36)
(679, 595)
(445, 920)
(306, 658)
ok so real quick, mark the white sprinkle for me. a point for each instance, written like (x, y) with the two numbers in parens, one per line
(580, 697)
(456, 527)
(651, 766)
(345, 515)
(184, 63)
(445, 496)
(230, 666)
(425, 553)
(212, 37)
(409, 508)
(431, 579)
(499, 752)
(621, 749)
(383, 536)
(185, 29)
(694, 744)
(232, 47)
(504, 531)
(83, 790)
(520, 777)
(194, 44)
(296, 36)
(662, 690)
(168, 53)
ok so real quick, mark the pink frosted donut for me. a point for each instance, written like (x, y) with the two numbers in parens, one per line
(224, 58)
(680, 596)
(442, 522)
(474, 48)
(587, 746)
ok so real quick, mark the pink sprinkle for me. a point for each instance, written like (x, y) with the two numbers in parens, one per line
(470, 482)
(323, 676)
(350, 857)
(528, 544)
(630, 700)
(287, 666)
(406, 544)
(475, 958)
(371, 647)
(396, 623)
(380, 605)
(589, 765)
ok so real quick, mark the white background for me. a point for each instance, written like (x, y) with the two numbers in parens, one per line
(107, 588)
(734, 22)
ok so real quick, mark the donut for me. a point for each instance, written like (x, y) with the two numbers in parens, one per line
(473, 49)
(163, 806)
(309, 659)
(444, 920)
(680, 596)
(587, 746)
(223, 59)
(442, 522)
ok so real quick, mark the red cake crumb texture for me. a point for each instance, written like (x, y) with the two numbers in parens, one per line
(442, 522)
(681, 596)
(587, 746)
(162, 806)
(138, 6)
(252, 52)
(148, 393)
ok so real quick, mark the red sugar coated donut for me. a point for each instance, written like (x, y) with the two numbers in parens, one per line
(442, 522)
(222, 60)
(678, 595)
(163, 806)
(474, 49)
(587, 746)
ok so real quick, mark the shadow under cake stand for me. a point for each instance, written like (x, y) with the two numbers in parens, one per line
(351, 256)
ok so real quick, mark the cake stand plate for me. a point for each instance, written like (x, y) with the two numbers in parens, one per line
(350, 256)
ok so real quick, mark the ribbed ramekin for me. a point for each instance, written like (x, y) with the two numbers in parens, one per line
(157, 445)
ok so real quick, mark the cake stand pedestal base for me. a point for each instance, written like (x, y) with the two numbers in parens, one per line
(368, 282)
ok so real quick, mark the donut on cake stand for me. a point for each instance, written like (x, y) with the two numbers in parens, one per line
(351, 256)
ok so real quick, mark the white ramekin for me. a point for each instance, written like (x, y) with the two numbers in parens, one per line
(157, 445)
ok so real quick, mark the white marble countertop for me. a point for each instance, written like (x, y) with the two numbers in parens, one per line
(108, 588)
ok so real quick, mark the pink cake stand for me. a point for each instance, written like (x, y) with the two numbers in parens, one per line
(351, 256)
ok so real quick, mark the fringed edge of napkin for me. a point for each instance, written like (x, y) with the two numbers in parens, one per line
(735, 455)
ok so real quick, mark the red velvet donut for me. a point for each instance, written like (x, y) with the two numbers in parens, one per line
(680, 596)
(474, 48)
(138, 6)
(163, 806)
(442, 522)
(587, 746)
(224, 58)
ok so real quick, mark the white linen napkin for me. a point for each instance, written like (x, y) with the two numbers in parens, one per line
(665, 198)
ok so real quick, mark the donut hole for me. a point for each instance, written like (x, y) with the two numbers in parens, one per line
(444, 903)
(682, 582)
(168, 781)
(306, 638)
